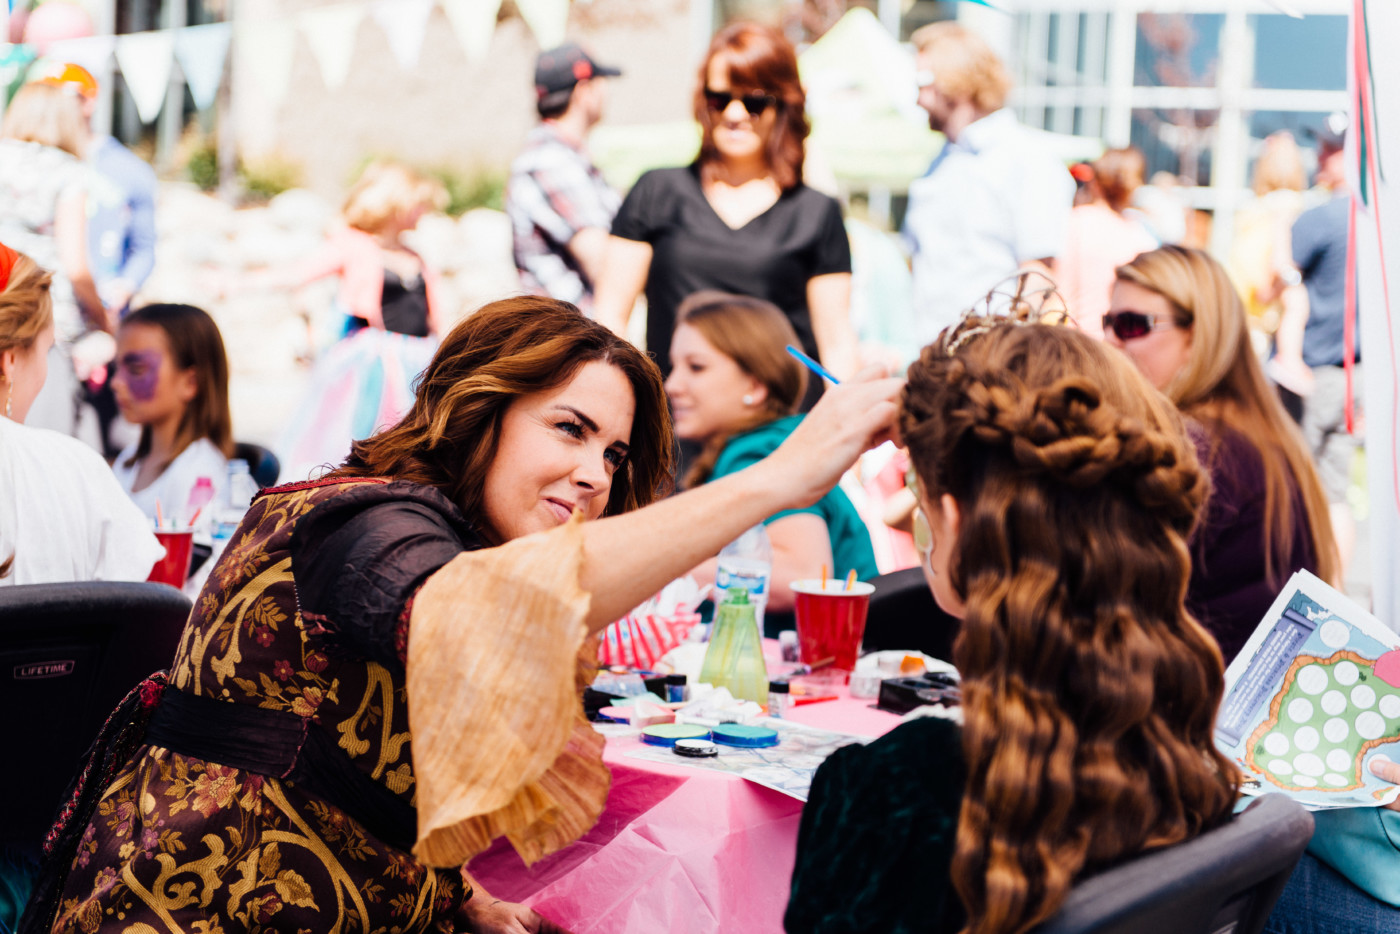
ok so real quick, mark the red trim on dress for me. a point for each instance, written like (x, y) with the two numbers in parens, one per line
(313, 484)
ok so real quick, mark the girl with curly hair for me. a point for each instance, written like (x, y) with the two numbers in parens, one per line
(1060, 493)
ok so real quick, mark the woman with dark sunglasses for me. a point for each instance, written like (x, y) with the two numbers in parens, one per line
(739, 219)
(1176, 314)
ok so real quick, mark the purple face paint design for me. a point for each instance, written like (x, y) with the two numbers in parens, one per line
(140, 370)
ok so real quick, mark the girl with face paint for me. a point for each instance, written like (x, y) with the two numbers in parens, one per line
(170, 377)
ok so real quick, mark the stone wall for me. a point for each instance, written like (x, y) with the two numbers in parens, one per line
(451, 111)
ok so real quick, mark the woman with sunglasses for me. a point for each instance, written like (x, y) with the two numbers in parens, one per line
(1178, 317)
(738, 219)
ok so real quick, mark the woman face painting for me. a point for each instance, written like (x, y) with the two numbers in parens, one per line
(558, 451)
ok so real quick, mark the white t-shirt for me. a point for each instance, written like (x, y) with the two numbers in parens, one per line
(173, 486)
(993, 200)
(63, 516)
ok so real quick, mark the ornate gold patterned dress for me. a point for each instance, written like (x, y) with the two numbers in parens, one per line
(304, 623)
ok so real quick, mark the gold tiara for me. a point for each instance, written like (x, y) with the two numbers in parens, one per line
(1029, 296)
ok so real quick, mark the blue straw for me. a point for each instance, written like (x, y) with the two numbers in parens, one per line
(812, 365)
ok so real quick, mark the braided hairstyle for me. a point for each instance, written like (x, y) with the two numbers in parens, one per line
(1089, 693)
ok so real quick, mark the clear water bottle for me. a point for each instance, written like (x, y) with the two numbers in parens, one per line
(235, 500)
(747, 562)
(241, 485)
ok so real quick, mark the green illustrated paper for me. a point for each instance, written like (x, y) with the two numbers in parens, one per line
(1312, 697)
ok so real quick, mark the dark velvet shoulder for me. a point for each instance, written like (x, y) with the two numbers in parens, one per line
(877, 835)
(360, 555)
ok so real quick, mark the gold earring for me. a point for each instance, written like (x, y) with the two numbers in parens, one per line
(9, 397)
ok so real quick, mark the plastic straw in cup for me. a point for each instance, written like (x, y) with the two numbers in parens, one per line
(813, 365)
(823, 576)
(160, 517)
(850, 579)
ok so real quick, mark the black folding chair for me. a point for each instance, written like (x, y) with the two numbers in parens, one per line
(68, 654)
(903, 615)
(262, 463)
(1222, 882)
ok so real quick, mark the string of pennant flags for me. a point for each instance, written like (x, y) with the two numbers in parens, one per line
(266, 48)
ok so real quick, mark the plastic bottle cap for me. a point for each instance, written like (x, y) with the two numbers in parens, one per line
(666, 734)
(675, 679)
(779, 687)
(737, 734)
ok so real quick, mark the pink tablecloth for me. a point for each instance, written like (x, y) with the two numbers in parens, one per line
(678, 849)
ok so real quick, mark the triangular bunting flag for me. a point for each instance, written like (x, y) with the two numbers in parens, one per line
(145, 59)
(264, 49)
(404, 23)
(330, 31)
(201, 52)
(547, 19)
(474, 22)
(92, 52)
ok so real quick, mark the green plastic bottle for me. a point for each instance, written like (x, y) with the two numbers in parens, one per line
(734, 659)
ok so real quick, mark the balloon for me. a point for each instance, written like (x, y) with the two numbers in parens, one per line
(55, 21)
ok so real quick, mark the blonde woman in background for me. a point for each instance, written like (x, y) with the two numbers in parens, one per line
(1260, 250)
(1103, 235)
(43, 143)
(63, 516)
(1176, 314)
(394, 313)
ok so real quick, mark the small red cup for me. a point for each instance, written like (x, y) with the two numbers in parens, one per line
(174, 568)
(831, 620)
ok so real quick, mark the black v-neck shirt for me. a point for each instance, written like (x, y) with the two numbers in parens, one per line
(771, 257)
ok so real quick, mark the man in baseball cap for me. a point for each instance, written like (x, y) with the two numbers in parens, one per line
(559, 205)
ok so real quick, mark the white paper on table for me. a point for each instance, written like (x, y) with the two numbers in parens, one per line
(1312, 697)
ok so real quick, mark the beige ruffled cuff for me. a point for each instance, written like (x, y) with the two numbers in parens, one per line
(500, 743)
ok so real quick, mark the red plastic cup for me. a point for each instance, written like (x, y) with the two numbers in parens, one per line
(174, 568)
(831, 620)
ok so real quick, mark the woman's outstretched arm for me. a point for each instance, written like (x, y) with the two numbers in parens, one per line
(628, 558)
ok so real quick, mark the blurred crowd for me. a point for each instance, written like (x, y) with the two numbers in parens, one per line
(117, 412)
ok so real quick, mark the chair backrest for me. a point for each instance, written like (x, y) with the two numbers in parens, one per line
(68, 654)
(262, 463)
(1222, 882)
(903, 615)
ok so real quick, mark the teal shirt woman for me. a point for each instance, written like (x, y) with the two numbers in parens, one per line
(850, 540)
(734, 389)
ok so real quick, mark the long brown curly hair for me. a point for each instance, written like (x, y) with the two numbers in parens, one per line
(1089, 692)
(511, 348)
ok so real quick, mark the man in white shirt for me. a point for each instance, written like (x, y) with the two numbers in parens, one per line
(994, 200)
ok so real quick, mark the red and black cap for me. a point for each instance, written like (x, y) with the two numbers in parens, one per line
(562, 68)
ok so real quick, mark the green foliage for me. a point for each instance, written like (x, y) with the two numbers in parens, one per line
(203, 167)
(267, 178)
(467, 190)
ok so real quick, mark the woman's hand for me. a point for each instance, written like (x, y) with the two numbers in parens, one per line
(848, 420)
(493, 916)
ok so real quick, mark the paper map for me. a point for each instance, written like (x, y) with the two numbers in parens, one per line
(1311, 698)
(787, 767)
